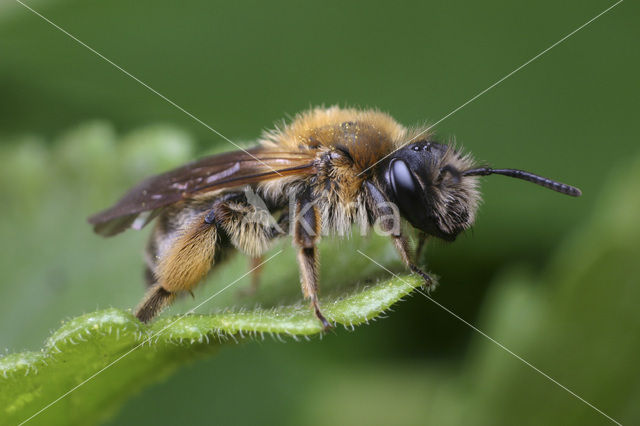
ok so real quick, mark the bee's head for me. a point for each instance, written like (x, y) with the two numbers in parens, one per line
(425, 181)
(435, 187)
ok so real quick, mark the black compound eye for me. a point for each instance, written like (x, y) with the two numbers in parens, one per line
(406, 190)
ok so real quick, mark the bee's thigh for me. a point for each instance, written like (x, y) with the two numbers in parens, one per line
(185, 245)
(247, 228)
(170, 226)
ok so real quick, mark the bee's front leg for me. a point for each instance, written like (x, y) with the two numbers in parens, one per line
(402, 247)
(306, 235)
(380, 209)
(422, 239)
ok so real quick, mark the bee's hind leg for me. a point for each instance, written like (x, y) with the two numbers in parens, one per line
(180, 267)
(151, 255)
(156, 299)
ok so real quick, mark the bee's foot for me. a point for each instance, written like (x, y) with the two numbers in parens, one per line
(326, 325)
(430, 284)
(426, 277)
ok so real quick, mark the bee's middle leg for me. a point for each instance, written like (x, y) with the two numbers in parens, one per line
(265, 233)
(306, 235)
(255, 268)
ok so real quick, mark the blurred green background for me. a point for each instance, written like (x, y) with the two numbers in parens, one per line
(239, 67)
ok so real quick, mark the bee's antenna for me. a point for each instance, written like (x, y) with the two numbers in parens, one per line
(521, 174)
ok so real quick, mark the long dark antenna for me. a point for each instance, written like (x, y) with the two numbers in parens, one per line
(521, 174)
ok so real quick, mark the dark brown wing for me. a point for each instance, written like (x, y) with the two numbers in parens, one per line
(205, 175)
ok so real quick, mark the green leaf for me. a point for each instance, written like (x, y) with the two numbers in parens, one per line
(134, 354)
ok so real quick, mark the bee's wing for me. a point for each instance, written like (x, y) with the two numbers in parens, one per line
(205, 175)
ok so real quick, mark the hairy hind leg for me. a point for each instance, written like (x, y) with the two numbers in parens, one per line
(180, 257)
(184, 264)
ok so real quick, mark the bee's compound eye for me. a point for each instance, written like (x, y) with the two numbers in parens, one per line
(405, 188)
(402, 181)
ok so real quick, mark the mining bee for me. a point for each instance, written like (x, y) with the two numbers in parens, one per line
(325, 171)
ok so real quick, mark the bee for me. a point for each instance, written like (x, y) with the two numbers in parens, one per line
(324, 172)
